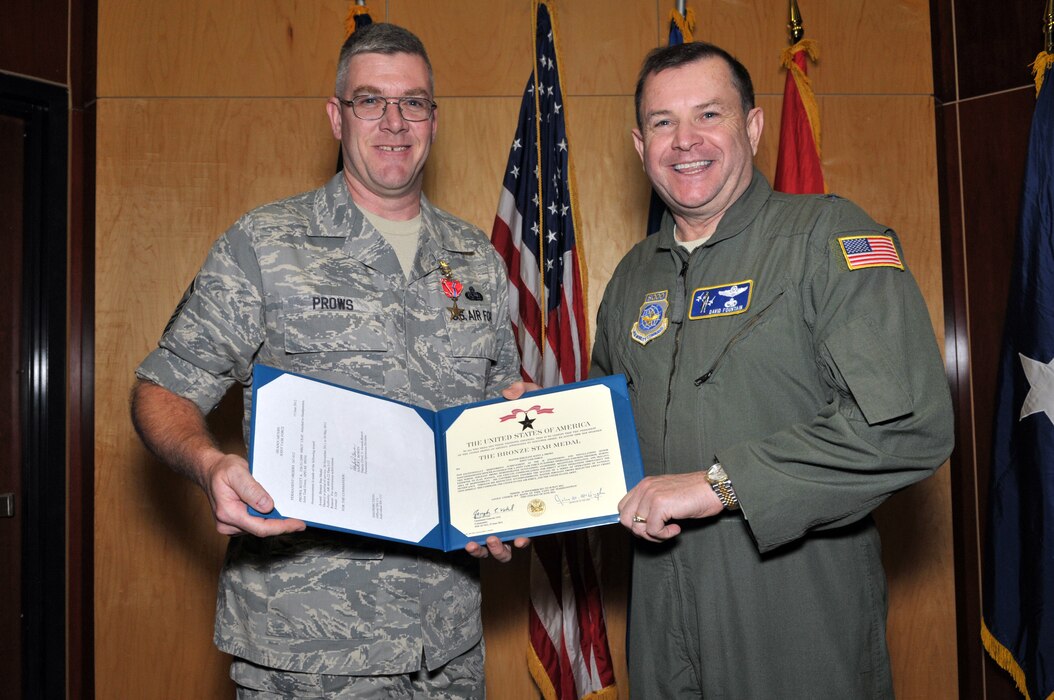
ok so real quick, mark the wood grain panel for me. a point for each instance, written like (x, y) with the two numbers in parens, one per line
(602, 43)
(230, 48)
(478, 48)
(172, 175)
(995, 44)
(613, 192)
(865, 47)
(467, 163)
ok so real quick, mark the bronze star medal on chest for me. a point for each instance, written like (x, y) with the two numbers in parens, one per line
(452, 288)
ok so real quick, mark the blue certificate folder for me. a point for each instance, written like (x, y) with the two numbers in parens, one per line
(553, 460)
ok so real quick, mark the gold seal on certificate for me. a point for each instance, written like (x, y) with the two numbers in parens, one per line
(555, 460)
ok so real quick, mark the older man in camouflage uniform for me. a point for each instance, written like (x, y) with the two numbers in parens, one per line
(356, 283)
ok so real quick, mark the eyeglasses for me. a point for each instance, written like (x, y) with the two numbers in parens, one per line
(372, 107)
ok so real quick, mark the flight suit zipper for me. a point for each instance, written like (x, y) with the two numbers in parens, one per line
(681, 279)
(745, 330)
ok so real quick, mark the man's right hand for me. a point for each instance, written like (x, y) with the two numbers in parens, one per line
(174, 429)
(230, 488)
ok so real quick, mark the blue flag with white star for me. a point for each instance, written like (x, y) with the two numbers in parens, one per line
(1018, 603)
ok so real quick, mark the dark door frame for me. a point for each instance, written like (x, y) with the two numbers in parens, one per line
(44, 108)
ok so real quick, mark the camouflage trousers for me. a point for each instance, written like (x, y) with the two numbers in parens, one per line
(461, 678)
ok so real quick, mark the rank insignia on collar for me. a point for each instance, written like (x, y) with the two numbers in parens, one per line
(722, 300)
(870, 251)
(652, 321)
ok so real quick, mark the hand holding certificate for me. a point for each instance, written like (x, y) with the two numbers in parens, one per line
(554, 460)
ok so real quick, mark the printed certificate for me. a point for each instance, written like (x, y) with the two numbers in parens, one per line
(553, 460)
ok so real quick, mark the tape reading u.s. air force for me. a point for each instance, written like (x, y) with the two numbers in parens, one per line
(652, 321)
(721, 300)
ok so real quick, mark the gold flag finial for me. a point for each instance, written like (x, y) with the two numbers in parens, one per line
(797, 29)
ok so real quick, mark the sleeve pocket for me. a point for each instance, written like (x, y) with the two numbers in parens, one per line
(869, 370)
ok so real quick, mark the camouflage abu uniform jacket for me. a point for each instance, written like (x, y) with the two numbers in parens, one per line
(308, 285)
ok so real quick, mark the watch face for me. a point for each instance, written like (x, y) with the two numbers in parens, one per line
(716, 474)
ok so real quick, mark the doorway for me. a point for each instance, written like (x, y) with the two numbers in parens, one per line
(33, 486)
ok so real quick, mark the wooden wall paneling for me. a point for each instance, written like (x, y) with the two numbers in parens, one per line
(233, 48)
(33, 39)
(995, 44)
(612, 190)
(602, 44)
(465, 169)
(991, 177)
(865, 47)
(172, 175)
(871, 47)
(478, 48)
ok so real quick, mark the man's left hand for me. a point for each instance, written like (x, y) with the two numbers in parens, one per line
(647, 510)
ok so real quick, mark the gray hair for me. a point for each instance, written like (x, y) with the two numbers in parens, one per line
(383, 38)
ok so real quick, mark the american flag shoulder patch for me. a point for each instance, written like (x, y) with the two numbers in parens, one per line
(870, 251)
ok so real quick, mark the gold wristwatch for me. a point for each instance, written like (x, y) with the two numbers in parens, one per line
(721, 485)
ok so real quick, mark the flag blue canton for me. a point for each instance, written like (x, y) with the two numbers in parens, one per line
(857, 245)
(557, 224)
(1018, 601)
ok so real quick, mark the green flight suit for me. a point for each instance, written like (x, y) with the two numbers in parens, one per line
(821, 390)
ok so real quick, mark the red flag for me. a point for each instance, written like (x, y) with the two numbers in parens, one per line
(535, 233)
(798, 169)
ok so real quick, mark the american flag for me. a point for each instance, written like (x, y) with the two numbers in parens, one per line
(535, 233)
(870, 251)
(534, 229)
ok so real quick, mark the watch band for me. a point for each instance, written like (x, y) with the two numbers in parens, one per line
(722, 486)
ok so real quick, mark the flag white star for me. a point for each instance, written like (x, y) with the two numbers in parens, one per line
(552, 208)
(557, 106)
(563, 209)
(534, 228)
(551, 238)
(549, 89)
(516, 145)
(1041, 392)
(562, 144)
(535, 199)
(515, 171)
(548, 265)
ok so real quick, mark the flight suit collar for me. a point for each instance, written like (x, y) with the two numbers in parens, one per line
(736, 220)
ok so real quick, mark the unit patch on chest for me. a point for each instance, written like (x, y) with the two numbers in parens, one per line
(721, 300)
(652, 321)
